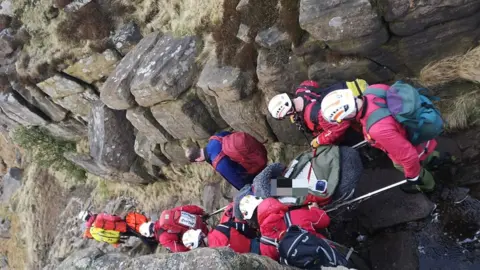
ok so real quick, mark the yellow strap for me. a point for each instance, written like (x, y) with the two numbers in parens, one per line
(353, 87)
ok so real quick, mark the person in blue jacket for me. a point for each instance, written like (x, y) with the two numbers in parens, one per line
(233, 172)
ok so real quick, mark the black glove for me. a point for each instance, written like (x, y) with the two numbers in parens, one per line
(205, 217)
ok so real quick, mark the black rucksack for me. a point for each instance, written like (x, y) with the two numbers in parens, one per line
(303, 249)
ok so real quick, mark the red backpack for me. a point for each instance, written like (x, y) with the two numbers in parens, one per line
(177, 221)
(244, 149)
(110, 222)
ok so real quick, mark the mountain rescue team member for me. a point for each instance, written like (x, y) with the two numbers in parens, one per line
(112, 227)
(268, 215)
(237, 156)
(387, 135)
(306, 104)
(230, 232)
(236, 235)
(173, 223)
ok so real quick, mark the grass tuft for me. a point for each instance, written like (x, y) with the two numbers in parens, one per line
(469, 68)
(47, 151)
(440, 72)
(462, 111)
(181, 17)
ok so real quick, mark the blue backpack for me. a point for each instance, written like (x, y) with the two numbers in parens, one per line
(305, 250)
(413, 110)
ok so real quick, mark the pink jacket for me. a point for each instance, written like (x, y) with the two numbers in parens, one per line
(389, 136)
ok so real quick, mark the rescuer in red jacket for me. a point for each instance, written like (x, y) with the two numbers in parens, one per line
(268, 214)
(173, 223)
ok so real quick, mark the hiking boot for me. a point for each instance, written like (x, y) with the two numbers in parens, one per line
(413, 189)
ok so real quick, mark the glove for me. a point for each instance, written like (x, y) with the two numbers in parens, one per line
(314, 143)
(205, 217)
(415, 181)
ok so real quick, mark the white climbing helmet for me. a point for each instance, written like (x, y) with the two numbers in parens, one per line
(146, 229)
(248, 204)
(280, 106)
(191, 239)
(339, 105)
(83, 215)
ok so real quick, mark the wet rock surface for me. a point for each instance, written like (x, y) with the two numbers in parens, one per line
(391, 207)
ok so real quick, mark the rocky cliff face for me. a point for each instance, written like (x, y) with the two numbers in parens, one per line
(141, 80)
(176, 89)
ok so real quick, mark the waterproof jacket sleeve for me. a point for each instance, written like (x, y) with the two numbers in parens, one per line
(192, 209)
(319, 218)
(233, 173)
(398, 148)
(172, 242)
(332, 133)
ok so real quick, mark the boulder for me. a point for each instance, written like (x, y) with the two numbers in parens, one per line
(350, 27)
(185, 118)
(37, 98)
(166, 71)
(143, 120)
(175, 152)
(149, 150)
(90, 165)
(405, 20)
(7, 124)
(60, 87)
(14, 107)
(6, 8)
(405, 256)
(279, 71)
(272, 38)
(4, 230)
(244, 33)
(347, 69)
(111, 137)
(11, 182)
(7, 42)
(69, 129)
(115, 92)
(225, 82)
(76, 5)
(203, 258)
(447, 39)
(286, 132)
(126, 37)
(396, 206)
(212, 107)
(79, 104)
(245, 115)
(310, 49)
(3, 262)
(94, 67)
(5, 21)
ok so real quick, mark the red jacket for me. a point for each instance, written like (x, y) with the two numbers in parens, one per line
(389, 136)
(328, 133)
(236, 240)
(173, 241)
(89, 224)
(271, 214)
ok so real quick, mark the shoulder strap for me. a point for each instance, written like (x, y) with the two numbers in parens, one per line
(225, 229)
(376, 92)
(287, 219)
(217, 159)
(376, 116)
(268, 241)
(220, 155)
(360, 94)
